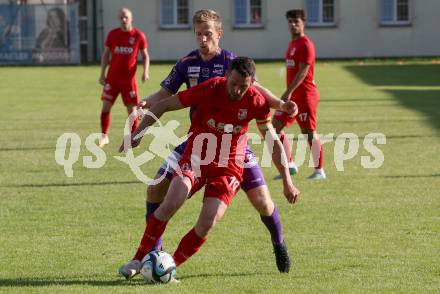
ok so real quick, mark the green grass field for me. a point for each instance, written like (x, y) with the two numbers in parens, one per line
(362, 230)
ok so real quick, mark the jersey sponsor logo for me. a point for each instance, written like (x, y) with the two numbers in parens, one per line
(290, 63)
(131, 40)
(193, 75)
(302, 116)
(223, 127)
(123, 50)
(218, 72)
(242, 114)
(218, 65)
(205, 72)
(192, 69)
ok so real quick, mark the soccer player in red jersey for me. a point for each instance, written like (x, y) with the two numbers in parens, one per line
(225, 105)
(201, 64)
(123, 45)
(301, 88)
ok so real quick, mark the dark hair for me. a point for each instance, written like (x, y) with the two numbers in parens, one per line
(296, 13)
(245, 66)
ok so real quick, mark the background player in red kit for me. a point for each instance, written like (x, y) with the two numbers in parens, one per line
(301, 88)
(225, 105)
(123, 44)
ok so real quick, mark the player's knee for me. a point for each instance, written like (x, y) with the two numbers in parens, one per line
(106, 106)
(168, 209)
(261, 200)
(204, 225)
(264, 206)
(156, 193)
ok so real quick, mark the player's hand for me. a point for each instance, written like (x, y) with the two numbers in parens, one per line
(144, 104)
(290, 107)
(145, 77)
(132, 144)
(102, 80)
(291, 193)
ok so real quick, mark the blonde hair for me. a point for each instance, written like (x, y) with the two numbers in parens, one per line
(206, 15)
(122, 9)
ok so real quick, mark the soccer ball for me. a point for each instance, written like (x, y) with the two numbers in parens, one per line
(158, 267)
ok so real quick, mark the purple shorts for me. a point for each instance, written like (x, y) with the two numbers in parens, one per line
(252, 174)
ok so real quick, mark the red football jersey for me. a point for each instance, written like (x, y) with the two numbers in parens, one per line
(124, 47)
(218, 115)
(299, 51)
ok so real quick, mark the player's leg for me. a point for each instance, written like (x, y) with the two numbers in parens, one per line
(157, 192)
(307, 122)
(212, 211)
(108, 97)
(129, 93)
(219, 192)
(317, 154)
(258, 194)
(132, 112)
(155, 195)
(176, 196)
(280, 121)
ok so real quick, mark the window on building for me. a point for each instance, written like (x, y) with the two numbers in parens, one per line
(394, 12)
(248, 13)
(320, 12)
(174, 14)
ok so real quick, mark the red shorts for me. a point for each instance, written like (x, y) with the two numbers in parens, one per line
(127, 89)
(307, 106)
(221, 182)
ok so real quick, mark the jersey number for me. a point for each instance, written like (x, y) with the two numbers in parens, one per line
(233, 183)
(302, 116)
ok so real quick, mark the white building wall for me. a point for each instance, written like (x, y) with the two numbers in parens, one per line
(357, 32)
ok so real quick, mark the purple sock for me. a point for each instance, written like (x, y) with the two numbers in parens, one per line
(151, 208)
(273, 224)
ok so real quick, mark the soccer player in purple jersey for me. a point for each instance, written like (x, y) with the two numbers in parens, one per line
(208, 61)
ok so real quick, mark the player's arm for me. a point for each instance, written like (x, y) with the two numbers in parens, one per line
(149, 101)
(145, 64)
(170, 85)
(105, 61)
(276, 103)
(279, 158)
(156, 111)
(299, 78)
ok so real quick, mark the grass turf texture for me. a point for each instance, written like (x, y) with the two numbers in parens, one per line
(375, 230)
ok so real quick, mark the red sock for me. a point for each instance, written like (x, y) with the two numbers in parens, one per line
(316, 148)
(105, 122)
(153, 230)
(188, 246)
(286, 145)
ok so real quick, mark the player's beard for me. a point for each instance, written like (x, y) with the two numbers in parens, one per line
(234, 97)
